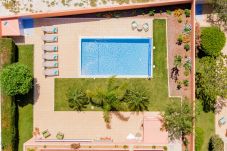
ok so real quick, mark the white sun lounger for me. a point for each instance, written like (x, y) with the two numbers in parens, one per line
(50, 64)
(50, 48)
(50, 29)
(50, 38)
(50, 56)
(51, 72)
(134, 25)
(145, 27)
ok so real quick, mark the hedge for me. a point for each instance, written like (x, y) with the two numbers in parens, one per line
(199, 138)
(212, 41)
(8, 106)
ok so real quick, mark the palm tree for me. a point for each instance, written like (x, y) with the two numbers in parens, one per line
(109, 98)
(177, 61)
(77, 99)
(137, 100)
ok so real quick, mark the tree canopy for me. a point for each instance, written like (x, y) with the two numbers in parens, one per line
(16, 79)
(211, 80)
(212, 41)
(177, 119)
(220, 8)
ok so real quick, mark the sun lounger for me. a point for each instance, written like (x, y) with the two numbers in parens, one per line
(50, 56)
(50, 38)
(222, 121)
(134, 25)
(50, 48)
(50, 29)
(51, 72)
(145, 27)
(50, 64)
(46, 134)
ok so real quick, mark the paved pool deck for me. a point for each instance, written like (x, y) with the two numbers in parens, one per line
(78, 125)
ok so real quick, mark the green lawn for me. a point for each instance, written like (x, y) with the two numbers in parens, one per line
(157, 87)
(206, 122)
(25, 106)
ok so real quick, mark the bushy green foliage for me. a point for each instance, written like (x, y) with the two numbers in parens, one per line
(180, 39)
(177, 119)
(187, 47)
(177, 61)
(199, 138)
(16, 79)
(216, 143)
(151, 12)
(137, 100)
(7, 51)
(169, 12)
(9, 132)
(212, 41)
(211, 80)
(187, 12)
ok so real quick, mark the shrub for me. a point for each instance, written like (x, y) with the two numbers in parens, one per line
(186, 72)
(151, 12)
(178, 12)
(21, 82)
(212, 41)
(188, 65)
(168, 12)
(186, 38)
(186, 83)
(180, 39)
(179, 83)
(187, 47)
(179, 19)
(187, 28)
(199, 138)
(187, 12)
(177, 61)
(216, 143)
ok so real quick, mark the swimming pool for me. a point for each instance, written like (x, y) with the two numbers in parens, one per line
(126, 57)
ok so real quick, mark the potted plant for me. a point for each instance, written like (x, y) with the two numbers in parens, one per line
(187, 47)
(180, 39)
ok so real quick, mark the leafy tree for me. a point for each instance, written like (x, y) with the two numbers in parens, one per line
(212, 41)
(216, 143)
(177, 120)
(219, 8)
(137, 100)
(77, 99)
(16, 79)
(211, 81)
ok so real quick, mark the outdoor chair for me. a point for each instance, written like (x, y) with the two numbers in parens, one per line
(51, 72)
(50, 38)
(134, 25)
(50, 64)
(60, 136)
(145, 27)
(46, 134)
(50, 29)
(222, 121)
(50, 48)
(50, 56)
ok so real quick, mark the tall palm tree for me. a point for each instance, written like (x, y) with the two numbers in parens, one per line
(109, 98)
(137, 100)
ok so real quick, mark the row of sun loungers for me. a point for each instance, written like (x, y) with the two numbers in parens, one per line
(50, 55)
(139, 27)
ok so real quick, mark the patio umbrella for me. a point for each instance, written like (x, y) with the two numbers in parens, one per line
(130, 137)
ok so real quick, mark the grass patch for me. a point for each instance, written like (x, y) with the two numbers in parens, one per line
(206, 122)
(25, 105)
(157, 87)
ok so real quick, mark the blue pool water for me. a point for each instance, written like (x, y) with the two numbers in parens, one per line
(116, 56)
